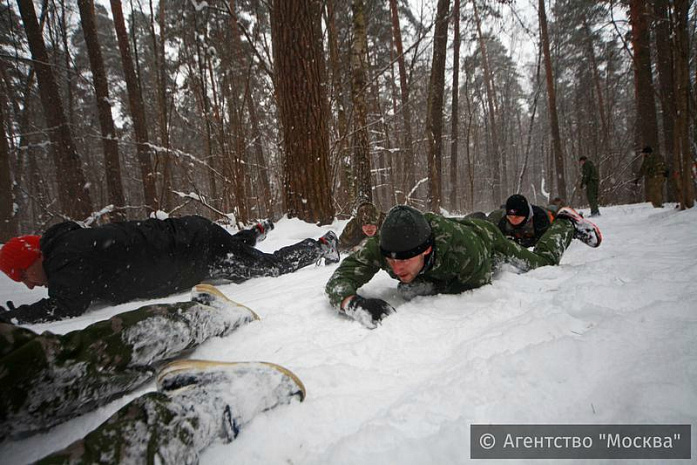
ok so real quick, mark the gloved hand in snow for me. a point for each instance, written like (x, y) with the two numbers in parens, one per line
(9, 306)
(368, 312)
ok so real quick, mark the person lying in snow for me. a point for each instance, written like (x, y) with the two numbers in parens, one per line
(430, 254)
(47, 379)
(523, 222)
(363, 225)
(120, 262)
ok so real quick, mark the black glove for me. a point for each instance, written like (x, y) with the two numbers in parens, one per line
(368, 312)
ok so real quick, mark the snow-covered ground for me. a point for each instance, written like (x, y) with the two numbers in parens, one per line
(609, 336)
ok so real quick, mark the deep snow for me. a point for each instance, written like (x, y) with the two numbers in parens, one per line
(609, 336)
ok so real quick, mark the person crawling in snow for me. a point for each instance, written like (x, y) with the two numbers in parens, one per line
(365, 223)
(431, 254)
(523, 222)
(47, 379)
(121, 262)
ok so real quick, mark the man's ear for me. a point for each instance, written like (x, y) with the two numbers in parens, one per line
(428, 251)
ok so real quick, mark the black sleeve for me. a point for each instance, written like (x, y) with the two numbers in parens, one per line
(50, 309)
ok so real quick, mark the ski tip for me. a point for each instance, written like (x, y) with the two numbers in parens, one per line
(181, 366)
(205, 288)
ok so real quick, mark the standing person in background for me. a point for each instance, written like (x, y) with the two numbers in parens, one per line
(653, 169)
(363, 225)
(590, 180)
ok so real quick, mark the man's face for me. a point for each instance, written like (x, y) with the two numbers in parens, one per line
(407, 270)
(515, 220)
(582, 162)
(35, 275)
(369, 229)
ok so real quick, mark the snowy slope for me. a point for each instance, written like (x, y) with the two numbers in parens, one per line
(607, 337)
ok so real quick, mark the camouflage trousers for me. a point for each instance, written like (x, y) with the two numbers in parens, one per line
(46, 378)
(654, 190)
(592, 196)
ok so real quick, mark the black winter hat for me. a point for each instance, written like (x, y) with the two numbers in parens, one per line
(517, 205)
(405, 233)
(647, 149)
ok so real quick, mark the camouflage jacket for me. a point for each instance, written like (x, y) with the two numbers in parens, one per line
(462, 259)
(652, 166)
(589, 174)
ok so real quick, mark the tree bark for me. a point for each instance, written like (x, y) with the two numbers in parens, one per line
(408, 156)
(106, 122)
(552, 104)
(454, 204)
(491, 99)
(8, 219)
(434, 117)
(73, 190)
(683, 153)
(137, 110)
(299, 76)
(361, 138)
(666, 84)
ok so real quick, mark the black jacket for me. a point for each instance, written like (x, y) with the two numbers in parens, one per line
(119, 262)
(528, 233)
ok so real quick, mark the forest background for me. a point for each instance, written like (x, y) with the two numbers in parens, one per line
(246, 109)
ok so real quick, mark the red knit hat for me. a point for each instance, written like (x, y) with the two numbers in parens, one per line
(18, 254)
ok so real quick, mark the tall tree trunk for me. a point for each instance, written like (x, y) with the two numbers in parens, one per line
(106, 122)
(342, 165)
(165, 160)
(454, 204)
(434, 116)
(552, 104)
(137, 108)
(666, 84)
(8, 219)
(262, 167)
(683, 153)
(408, 156)
(237, 83)
(359, 88)
(646, 123)
(299, 76)
(491, 99)
(73, 191)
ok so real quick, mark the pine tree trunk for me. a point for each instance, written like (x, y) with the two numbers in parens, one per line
(683, 153)
(8, 219)
(342, 165)
(73, 191)
(666, 85)
(137, 109)
(552, 104)
(299, 78)
(106, 122)
(491, 99)
(434, 117)
(409, 179)
(646, 123)
(454, 204)
(359, 87)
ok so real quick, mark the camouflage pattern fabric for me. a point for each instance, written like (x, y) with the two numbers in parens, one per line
(47, 379)
(653, 168)
(465, 254)
(353, 234)
(591, 181)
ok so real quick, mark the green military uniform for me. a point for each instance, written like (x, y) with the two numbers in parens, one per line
(465, 253)
(654, 171)
(590, 180)
(353, 234)
(46, 378)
